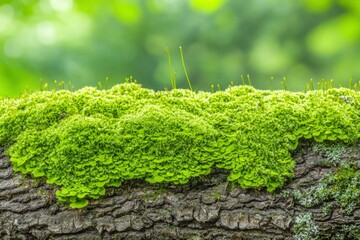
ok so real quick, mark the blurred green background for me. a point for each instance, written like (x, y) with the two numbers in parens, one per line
(84, 42)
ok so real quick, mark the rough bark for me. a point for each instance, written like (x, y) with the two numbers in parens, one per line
(206, 208)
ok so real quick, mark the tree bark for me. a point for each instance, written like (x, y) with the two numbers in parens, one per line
(206, 208)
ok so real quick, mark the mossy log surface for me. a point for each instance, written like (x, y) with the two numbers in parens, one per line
(205, 208)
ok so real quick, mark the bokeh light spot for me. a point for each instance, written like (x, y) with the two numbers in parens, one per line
(12, 49)
(46, 33)
(128, 11)
(6, 15)
(269, 57)
(61, 5)
(207, 6)
(334, 36)
(318, 5)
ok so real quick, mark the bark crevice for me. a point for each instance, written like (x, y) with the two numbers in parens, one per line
(206, 208)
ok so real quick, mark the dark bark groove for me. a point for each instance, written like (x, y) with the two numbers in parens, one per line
(206, 208)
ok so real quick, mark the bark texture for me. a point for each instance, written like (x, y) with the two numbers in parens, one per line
(206, 208)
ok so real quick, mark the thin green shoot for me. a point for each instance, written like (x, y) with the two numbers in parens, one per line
(311, 84)
(70, 87)
(283, 84)
(242, 79)
(350, 82)
(43, 86)
(172, 81)
(183, 64)
(272, 83)
(59, 85)
(328, 84)
(107, 83)
(129, 79)
(248, 78)
(174, 86)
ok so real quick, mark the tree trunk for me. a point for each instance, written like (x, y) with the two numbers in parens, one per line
(206, 208)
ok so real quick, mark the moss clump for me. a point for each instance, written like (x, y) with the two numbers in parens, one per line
(90, 139)
(341, 184)
(345, 185)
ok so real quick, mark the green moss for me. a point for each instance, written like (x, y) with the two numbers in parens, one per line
(305, 227)
(349, 232)
(333, 152)
(88, 140)
(343, 185)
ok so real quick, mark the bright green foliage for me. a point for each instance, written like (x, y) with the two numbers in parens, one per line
(88, 140)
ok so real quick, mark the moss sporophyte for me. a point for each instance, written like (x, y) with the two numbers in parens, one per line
(87, 140)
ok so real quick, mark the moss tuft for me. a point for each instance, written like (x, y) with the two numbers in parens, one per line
(88, 140)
